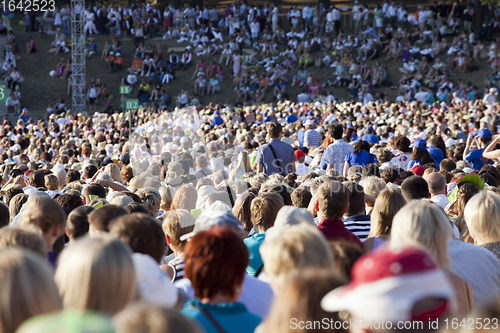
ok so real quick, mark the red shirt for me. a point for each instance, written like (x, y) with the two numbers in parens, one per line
(335, 230)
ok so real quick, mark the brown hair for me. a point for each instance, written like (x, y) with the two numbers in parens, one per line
(16, 203)
(127, 173)
(345, 255)
(274, 130)
(44, 213)
(102, 216)
(333, 198)
(242, 209)
(51, 182)
(177, 223)
(264, 209)
(23, 238)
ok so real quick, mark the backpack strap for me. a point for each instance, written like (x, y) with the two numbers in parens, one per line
(209, 317)
(282, 172)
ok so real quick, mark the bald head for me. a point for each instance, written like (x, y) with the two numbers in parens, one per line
(437, 183)
(201, 161)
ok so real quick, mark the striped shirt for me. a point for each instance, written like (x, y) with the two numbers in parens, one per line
(358, 225)
(312, 138)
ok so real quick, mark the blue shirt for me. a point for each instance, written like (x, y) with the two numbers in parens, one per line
(291, 118)
(24, 118)
(232, 317)
(414, 162)
(253, 244)
(362, 158)
(216, 120)
(370, 138)
(476, 159)
(436, 154)
(284, 152)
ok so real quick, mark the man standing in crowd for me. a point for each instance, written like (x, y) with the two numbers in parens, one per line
(334, 155)
(312, 138)
(276, 156)
(437, 188)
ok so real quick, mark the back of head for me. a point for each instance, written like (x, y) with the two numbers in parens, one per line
(149, 318)
(447, 165)
(387, 205)
(301, 197)
(274, 130)
(356, 199)
(373, 185)
(289, 252)
(77, 224)
(436, 182)
(177, 223)
(300, 299)
(26, 286)
(43, 213)
(141, 232)
(288, 216)
(415, 188)
(16, 203)
(345, 255)
(423, 224)
(151, 200)
(69, 202)
(336, 131)
(333, 200)
(482, 216)
(264, 209)
(100, 218)
(15, 237)
(96, 274)
(242, 209)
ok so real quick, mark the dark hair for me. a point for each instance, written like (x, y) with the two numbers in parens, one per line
(77, 224)
(336, 131)
(356, 198)
(135, 207)
(96, 189)
(489, 178)
(141, 232)
(345, 254)
(422, 155)
(102, 216)
(90, 171)
(11, 192)
(491, 169)
(216, 262)
(402, 143)
(361, 146)
(437, 142)
(37, 178)
(274, 130)
(415, 188)
(282, 191)
(447, 165)
(4, 215)
(389, 175)
(370, 170)
(72, 175)
(301, 197)
(69, 202)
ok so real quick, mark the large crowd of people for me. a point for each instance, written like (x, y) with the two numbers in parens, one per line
(367, 215)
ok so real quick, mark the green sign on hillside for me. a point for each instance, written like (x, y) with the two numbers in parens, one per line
(124, 90)
(132, 104)
(3, 93)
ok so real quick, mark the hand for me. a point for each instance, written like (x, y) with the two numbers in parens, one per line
(102, 182)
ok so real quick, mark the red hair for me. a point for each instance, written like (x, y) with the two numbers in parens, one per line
(216, 261)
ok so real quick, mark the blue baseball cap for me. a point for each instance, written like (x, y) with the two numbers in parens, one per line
(483, 133)
(420, 144)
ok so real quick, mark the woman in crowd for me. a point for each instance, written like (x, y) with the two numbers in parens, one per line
(27, 288)
(218, 287)
(387, 205)
(360, 156)
(97, 274)
(424, 224)
(482, 216)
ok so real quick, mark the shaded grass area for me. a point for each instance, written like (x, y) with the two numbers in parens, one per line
(39, 89)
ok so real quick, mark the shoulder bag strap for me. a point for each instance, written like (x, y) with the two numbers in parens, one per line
(209, 317)
(259, 270)
(371, 157)
(277, 160)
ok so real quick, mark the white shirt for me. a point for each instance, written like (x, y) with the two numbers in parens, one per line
(275, 13)
(441, 200)
(336, 14)
(254, 27)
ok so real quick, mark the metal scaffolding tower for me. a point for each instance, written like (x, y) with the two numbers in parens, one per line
(78, 56)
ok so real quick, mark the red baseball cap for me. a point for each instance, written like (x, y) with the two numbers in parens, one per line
(299, 154)
(417, 170)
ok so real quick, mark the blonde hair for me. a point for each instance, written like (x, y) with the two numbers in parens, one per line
(300, 299)
(177, 223)
(51, 182)
(114, 171)
(373, 185)
(387, 204)
(423, 224)
(22, 238)
(149, 318)
(27, 288)
(285, 252)
(185, 198)
(482, 216)
(167, 197)
(97, 274)
(60, 173)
